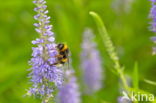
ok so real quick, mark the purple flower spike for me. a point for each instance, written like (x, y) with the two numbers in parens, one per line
(91, 63)
(153, 16)
(69, 92)
(45, 76)
(153, 24)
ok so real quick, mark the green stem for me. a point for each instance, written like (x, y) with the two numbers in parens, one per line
(110, 48)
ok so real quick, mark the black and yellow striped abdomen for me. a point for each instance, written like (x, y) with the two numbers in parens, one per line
(63, 53)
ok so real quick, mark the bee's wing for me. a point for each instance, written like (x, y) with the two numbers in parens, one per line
(68, 54)
(66, 66)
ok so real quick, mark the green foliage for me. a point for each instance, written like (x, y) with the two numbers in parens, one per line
(128, 31)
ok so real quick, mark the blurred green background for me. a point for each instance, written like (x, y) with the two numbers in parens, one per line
(129, 30)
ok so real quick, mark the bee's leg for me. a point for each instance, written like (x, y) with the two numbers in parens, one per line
(59, 56)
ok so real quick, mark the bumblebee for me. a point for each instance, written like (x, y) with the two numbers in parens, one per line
(63, 53)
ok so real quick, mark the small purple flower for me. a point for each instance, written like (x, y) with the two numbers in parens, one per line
(154, 48)
(153, 23)
(69, 92)
(121, 6)
(91, 63)
(124, 100)
(44, 75)
(153, 15)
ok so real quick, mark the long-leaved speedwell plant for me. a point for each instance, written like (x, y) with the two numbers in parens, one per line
(114, 57)
(91, 63)
(110, 48)
(45, 77)
(69, 92)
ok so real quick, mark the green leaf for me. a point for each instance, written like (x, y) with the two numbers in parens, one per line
(150, 82)
(135, 76)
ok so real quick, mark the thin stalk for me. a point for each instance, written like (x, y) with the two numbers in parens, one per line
(110, 48)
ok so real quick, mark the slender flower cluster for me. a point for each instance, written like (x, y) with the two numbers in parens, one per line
(69, 93)
(91, 63)
(122, 5)
(153, 24)
(44, 75)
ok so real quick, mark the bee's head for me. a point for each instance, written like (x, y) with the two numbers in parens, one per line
(60, 46)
